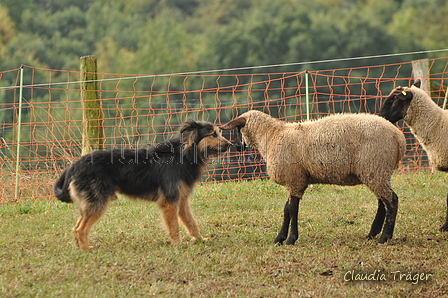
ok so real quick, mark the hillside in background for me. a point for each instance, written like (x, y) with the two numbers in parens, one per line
(169, 36)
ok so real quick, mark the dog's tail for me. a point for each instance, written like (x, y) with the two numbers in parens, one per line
(61, 187)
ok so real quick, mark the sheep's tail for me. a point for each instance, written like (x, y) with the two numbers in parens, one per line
(61, 187)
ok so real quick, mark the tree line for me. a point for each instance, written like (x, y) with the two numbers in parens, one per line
(170, 36)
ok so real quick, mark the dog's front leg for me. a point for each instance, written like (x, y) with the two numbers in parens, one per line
(187, 219)
(170, 213)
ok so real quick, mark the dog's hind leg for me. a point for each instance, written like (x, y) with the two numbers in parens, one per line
(89, 214)
(78, 222)
(82, 228)
(170, 213)
(187, 219)
(92, 204)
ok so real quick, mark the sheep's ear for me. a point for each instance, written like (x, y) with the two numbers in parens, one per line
(238, 122)
(400, 94)
(417, 83)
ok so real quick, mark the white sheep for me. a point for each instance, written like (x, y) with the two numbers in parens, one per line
(342, 149)
(427, 121)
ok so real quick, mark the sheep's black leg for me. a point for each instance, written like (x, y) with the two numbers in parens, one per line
(293, 213)
(444, 227)
(391, 214)
(378, 222)
(285, 226)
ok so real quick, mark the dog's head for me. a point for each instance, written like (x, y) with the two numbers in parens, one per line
(204, 136)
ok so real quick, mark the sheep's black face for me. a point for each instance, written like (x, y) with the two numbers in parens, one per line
(238, 140)
(396, 105)
(235, 126)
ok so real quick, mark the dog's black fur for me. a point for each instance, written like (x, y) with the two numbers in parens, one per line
(164, 173)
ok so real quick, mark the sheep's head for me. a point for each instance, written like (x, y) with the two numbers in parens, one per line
(251, 128)
(397, 103)
(235, 125)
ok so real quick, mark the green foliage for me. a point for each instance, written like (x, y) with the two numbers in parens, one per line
(172, 36)
(167, 36)
(7, 30)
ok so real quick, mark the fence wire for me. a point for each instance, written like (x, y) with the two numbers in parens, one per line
(148, 109)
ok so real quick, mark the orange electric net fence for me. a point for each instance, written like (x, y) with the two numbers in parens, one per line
(140, 110)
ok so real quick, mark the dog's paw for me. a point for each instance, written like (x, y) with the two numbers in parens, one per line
(175, 239)
(85, 247)
(198, 239)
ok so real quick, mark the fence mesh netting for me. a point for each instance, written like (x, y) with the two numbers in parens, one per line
(139, 110)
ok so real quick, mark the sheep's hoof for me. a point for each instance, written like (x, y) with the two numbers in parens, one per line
(444, 227)
(279, 243)
(383, 239)
(279, 240)
(291, 241)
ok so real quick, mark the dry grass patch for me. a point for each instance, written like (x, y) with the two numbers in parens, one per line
(132, 256)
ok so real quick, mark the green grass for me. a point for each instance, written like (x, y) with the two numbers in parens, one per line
(132, 256)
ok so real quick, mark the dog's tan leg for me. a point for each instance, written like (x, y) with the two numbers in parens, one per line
(186, 217)
(78, 222)
(170, 213)
(82, 229)
(88, 216)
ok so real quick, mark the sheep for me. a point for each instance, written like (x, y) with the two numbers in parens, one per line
(427, 121)
(342, 149)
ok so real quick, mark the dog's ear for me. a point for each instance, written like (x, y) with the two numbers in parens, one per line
(235, 123)
(189, 132)
(190, 125)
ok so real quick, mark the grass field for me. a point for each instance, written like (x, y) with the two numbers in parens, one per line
(133, 258)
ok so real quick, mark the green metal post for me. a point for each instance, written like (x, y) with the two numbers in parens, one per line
(19, 128)
(307, 97)
(446, 98)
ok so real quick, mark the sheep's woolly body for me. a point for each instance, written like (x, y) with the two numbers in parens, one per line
(429, 124)
(344, 149)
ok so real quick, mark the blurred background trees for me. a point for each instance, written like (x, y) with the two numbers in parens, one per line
(177, 36)
(169, 36)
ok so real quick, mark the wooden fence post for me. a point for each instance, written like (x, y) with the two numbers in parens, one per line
(421, 70)
(92, 124)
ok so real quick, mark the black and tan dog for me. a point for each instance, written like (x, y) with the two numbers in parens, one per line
(164, 173)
